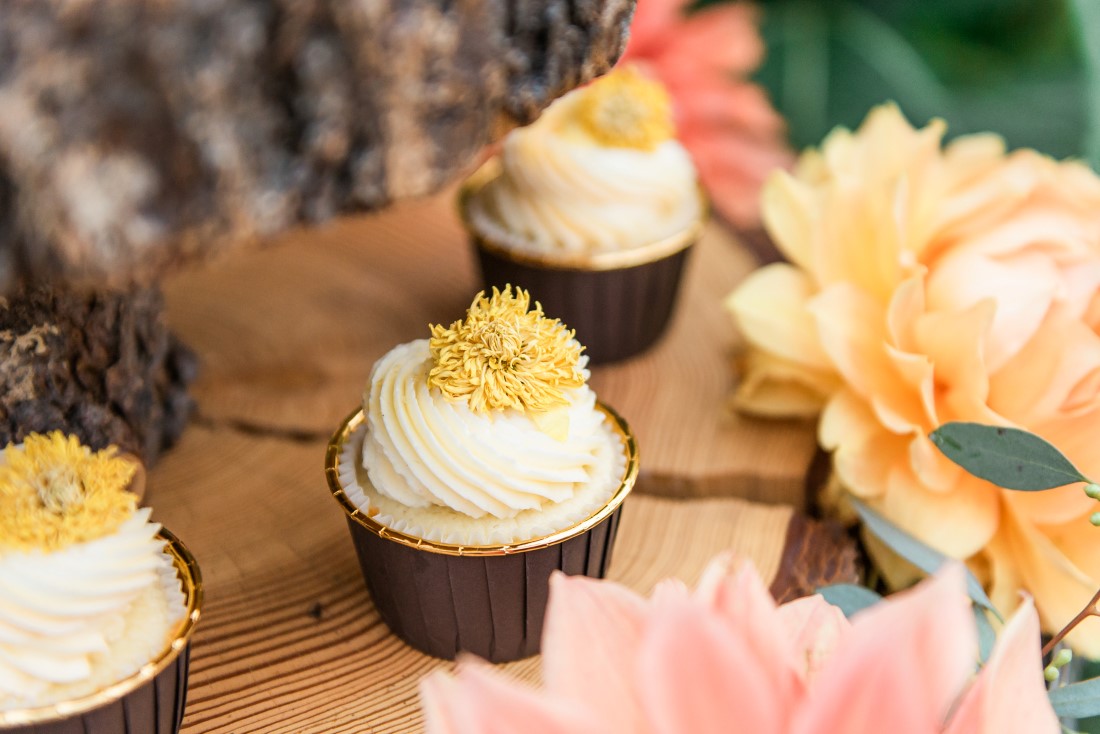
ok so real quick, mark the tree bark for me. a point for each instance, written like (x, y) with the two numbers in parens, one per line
(102, 366)
(136, 135)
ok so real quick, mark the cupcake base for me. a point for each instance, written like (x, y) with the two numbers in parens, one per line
(619, 301)
(488, 600)
(156, 707)
(152, 700)
(491, 606)
(616, 313)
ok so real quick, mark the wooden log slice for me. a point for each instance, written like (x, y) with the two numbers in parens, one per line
(289, 641)
(287, 337)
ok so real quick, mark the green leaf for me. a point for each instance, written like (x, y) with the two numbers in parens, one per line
(1008, 457)
(1077, 700)
(887, 50)
(1086, 15)
(986, 635)
(922, 556)
(851, 598)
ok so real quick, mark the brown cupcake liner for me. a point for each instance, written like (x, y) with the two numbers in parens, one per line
(619, 302)
(616, 314)
(150, 701)
(443, 599)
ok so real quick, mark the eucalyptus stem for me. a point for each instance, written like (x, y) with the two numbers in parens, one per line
(1090, 610)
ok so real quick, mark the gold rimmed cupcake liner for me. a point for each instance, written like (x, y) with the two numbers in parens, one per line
(150, 701)
(338, 444)
(618, 302)
(488, 600)
(588, 261)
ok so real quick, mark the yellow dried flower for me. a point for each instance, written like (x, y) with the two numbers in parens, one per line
(626, 110)
(505, 356)
(54, 491)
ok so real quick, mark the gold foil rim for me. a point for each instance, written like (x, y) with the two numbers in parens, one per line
(588, 261)
(350, 424)
(187, 569)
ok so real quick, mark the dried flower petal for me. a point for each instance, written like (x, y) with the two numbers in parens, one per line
(54, 491)
(503, 355)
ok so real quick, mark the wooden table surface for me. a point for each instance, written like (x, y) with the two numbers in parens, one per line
(289, 640)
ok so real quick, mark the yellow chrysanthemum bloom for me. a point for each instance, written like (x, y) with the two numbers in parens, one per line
(54, 491)
(503, 355)
(927, 284)
(626, 110)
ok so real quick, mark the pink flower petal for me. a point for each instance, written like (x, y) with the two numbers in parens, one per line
(649, 29)
(716, 40)
(719, 106)
(902, 666)
(735, 591)
(1009, 696)
(479, 700)
(699, 674)
(815, 628)
(590, 643)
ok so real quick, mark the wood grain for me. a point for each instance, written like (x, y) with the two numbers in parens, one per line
(287, 337)
(289, 640)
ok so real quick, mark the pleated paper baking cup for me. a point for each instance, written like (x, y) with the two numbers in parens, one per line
(489, 600)
(151, 701)
(619, 302)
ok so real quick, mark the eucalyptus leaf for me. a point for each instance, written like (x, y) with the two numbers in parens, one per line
(850, 598)
(922, 556)
(1077, 700)
(1007, 457)
(986, 635)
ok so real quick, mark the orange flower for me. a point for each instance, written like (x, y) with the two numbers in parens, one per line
(927, 285)
(727, 124)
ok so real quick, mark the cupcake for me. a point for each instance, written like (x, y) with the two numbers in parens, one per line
(479, 463)
(594, 207)
(97, 603)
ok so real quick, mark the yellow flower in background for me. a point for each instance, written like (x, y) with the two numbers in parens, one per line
(928, 284)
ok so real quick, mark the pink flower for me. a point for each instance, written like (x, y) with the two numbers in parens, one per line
(725, 658)
(727, 124)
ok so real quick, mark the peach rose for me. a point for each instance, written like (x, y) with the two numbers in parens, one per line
(930, 284)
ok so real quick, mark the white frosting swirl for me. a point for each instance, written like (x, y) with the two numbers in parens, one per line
(560, 191)
(423, 449)
(65, 616)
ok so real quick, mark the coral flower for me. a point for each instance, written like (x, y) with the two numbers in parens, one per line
(930, 284)
(725, 658)
(733, 133)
